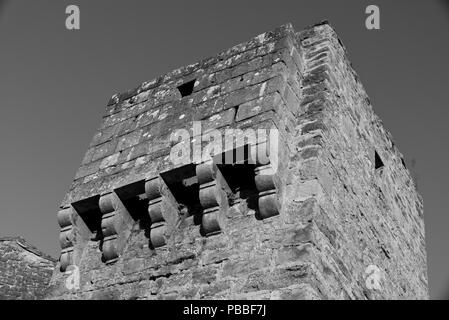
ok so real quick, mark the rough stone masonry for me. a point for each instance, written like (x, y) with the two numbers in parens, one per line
(25, 271)
(339, 218)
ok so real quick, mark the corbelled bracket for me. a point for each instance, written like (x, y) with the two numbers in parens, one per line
(66, 237)
(158, 234)
(116, 224)
(265, 173)
(209, 199)
(268, 204)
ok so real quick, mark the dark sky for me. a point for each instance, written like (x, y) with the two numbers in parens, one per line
(55, 83)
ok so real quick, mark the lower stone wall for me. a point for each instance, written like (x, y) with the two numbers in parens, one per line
(250, 259)
(24, 271)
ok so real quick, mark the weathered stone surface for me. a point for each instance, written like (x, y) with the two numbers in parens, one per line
(25, 272)
(305, 226)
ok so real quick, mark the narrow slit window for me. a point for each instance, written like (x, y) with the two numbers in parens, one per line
(378, 163)
(186, 89)
(236, 111)
(403, 163)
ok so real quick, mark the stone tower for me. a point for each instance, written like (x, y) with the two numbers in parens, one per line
(323, 208)
(24, 270)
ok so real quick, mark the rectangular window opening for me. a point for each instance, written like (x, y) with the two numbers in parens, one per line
(186, 89)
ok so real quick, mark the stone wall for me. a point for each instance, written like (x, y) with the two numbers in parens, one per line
(332, 200)
(366, 208)
(25, 272)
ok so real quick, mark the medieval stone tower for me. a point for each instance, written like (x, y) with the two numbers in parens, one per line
(331, 212)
